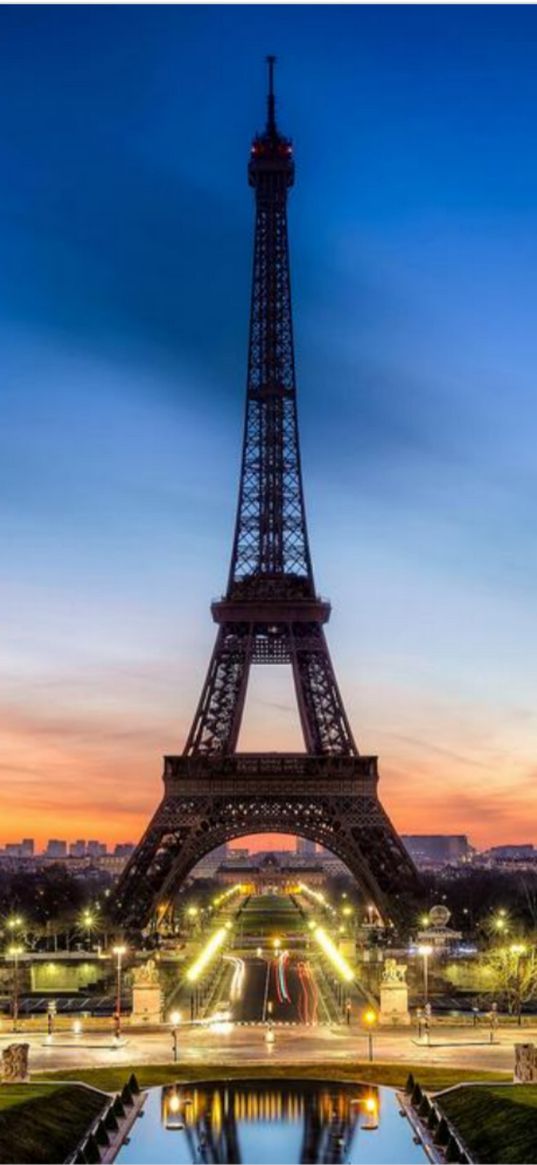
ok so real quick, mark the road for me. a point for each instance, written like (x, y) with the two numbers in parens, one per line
(282, 989)
(229, 1044)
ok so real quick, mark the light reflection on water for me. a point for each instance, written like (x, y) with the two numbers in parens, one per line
(267, 1123)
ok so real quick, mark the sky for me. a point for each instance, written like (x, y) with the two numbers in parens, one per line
(125, 241)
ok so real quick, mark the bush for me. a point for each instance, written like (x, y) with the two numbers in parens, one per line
(91, 1150)
(126, 1096)
(433, 1119)
(118, 1108)
(417, 1096)
(425, 1107)
(110, 1120)
(101, 1134)
(452, 1150)
(442, 1134)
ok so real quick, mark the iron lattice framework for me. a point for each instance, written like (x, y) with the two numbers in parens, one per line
(269, 614)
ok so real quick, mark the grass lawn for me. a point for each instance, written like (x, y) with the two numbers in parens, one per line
(11, 1094)
(112, 1079)
(43, 1124)
(498, 1124)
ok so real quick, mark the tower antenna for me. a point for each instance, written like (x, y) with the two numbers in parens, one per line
(271, 119)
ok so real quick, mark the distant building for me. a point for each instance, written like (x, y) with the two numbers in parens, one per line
(27, 847)
(95, 849)
(305, 847)
(77, 849)
(208, 865)
(124, 849)
(112, 863)
(437, 849)
(273, 872)
(511, 852)
(56, 848)
(333, 866)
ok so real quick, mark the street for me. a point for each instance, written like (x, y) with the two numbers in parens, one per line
(229, 1044)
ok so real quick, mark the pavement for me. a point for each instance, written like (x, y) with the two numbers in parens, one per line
(456, 1047)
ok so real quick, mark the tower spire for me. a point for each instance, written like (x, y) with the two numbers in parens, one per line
(271, 115)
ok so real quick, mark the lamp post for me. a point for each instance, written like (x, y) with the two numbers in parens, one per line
(518, 949)
(88, 920)
(14, 923)
(369, 1019)
(175, 1020)
(15, 951)
(425, 950)
(118, 951)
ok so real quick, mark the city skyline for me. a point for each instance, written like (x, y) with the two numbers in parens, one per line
(419, 471)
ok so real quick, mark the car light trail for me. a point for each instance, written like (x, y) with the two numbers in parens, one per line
(338, 962)
(308, 1003)
(237, 981)
(282, 976)
(208, 953)
(303, 1000)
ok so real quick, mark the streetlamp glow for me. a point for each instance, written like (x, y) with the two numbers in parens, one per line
(119, 950)
(518, 950)
(14, 952)
(369, 1019)
(425, 950)
(175, 1019)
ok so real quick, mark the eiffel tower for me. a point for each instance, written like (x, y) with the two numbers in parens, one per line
(270, 614)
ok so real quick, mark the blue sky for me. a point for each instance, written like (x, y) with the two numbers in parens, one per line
(125, 235)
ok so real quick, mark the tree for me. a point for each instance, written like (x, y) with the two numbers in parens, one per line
(513, 975)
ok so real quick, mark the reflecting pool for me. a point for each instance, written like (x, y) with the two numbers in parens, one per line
(266, 1122)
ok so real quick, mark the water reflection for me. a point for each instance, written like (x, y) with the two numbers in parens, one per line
(264, 1122)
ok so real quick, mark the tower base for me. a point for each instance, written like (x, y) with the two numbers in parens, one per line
(209, 800)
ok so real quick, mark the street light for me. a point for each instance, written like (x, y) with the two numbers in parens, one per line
(87, 922)
(15, 951)
(425, 950)
(175, 1020)
(14, 922)
(369, 1019)
(118, 951)
(518, 949)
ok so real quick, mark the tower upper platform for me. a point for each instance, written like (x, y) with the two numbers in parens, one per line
(271, 152)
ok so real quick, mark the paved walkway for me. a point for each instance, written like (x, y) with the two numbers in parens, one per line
(457, 1047)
